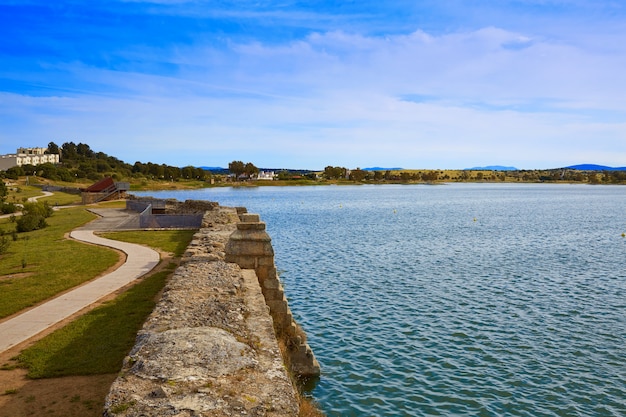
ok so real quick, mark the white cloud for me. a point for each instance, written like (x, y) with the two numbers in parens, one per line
(489, 96)
(478, 66)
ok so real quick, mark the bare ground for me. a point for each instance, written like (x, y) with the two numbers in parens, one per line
(75, 396)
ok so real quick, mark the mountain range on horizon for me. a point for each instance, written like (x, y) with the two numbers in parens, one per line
(594, 167)
(579, 167)
(492, 168)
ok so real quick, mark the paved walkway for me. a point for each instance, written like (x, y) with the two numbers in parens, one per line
(139, 261)
(37, 197)
(31, 200)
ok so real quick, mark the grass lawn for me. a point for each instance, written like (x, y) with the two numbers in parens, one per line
(97, 342)
(164, 185)
(43, 263)
(62, 199)
(172, 241)
(21, 193)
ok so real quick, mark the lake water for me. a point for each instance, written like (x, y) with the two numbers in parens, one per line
(454, 300)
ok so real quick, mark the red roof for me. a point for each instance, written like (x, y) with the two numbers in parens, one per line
(101, 185)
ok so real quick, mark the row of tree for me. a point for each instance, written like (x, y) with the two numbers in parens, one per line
(359, 175)
(552, 175)
(79, 161)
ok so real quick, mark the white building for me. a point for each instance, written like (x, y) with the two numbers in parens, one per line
(27, 156)
(266, 175)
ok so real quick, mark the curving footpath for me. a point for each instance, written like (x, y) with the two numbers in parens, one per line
(139, 261)
(37, 197)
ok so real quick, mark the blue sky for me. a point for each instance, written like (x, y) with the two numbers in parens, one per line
(416, 84)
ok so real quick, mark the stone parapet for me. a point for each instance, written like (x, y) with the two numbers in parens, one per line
(250, 247)
(209, 348)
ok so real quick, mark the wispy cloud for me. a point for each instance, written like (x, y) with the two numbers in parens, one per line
(320, 90)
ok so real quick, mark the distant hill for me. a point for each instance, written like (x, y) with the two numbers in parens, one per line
(381, 169)
(215, 170)
(212, 168)
(220, 170)
(593, 167)
(492, 168)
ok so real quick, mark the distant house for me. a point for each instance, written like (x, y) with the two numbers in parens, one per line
(27, 156)
(266, 175)
(105, 190)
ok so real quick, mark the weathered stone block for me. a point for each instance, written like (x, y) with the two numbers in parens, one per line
(274, 294)
(277, 306)
(271, 284)
(244, 262)
(249, 247)
(303, 362)
(265, 272)
(250, 217)
(251, 226)
(267, 261)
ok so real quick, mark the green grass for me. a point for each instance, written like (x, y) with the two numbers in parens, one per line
(97, 342)
(61, 199)
(110, 204)
(172, 241)
(43, 263)
(22, 193)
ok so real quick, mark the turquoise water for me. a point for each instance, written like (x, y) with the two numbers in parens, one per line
(454, 300)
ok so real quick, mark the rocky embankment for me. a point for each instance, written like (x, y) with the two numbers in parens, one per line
(209, 348)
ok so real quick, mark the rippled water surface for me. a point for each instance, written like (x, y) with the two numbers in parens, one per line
(461, 299)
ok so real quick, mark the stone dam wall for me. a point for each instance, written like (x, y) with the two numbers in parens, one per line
(210, 348)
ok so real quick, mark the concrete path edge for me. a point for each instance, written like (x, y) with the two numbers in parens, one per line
(139, 261)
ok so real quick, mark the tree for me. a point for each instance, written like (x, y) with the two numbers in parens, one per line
(334, 173)
(201, 174)
(237, 168)
(53, 148)
(187, 172)
(84, 150)
(250, 169)
(65, 175)
(139, 168)
(15, 172)
(48, 170)
(358, 175)
(68, 150)
(593, 178)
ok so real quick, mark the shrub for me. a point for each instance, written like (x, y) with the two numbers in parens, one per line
(4, 244)
(7, 208)
(42, 209)
(33, 217)
(30, 222)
